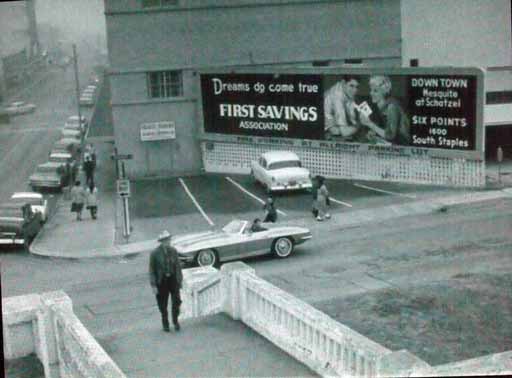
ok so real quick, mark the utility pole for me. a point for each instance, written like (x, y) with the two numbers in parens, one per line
(77, 85)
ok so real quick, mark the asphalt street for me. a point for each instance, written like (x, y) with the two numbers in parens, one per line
(112, 295)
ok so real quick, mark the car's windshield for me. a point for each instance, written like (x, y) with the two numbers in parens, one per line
(29, 200)
(284, 164)
(73, 120)
(234, 227)
(58, 159)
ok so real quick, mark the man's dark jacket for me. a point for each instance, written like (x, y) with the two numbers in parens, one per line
(157, 266)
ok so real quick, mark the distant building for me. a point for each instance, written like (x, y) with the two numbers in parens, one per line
(19, 43)
(156, 48)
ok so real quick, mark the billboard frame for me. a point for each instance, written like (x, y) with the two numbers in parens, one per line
(477, 153)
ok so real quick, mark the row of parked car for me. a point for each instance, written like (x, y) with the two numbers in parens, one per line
(22, 216)
(63, 159)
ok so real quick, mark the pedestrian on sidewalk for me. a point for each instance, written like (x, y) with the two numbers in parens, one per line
(165, 277)
(322, 200)
(77, 200)
(92, 201)
(88, 167)
(270, 210)
(92, 153)
(314, 193)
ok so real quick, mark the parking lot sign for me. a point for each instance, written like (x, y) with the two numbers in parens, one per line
(123, 188)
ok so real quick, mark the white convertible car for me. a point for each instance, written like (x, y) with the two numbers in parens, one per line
(236, 241)
(280, 170)
(19, 107)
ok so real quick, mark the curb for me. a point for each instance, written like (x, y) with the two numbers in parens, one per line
(354, 220)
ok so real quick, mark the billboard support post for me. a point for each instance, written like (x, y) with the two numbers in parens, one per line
(500, 159)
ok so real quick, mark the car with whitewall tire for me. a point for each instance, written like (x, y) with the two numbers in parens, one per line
(280, 171)
(19, 107)
(237, 240)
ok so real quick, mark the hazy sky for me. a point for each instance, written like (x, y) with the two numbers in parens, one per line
(77, 17)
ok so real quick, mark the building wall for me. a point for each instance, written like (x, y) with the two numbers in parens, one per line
(459, 33)
(206, 34)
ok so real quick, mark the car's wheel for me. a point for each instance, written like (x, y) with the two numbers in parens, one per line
(207, 257)
(282, 247)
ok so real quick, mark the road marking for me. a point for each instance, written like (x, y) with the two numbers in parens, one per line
(195, 202)
(385, 191)
(340, 202)
(250, 194)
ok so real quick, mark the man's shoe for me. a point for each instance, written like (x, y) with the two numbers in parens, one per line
(166, 329)
(177, 327)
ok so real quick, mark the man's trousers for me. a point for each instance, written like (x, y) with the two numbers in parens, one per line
(169, 286)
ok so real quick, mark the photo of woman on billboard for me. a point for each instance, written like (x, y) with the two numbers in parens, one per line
(389, 123)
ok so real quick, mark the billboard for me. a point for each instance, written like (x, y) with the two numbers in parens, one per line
(404, 108)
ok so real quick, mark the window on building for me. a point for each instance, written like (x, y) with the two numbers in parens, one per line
(320, 63)
(158, 3)
(165, 84)
(353, 61)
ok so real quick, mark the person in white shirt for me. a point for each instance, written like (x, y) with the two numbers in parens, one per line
(341, 115)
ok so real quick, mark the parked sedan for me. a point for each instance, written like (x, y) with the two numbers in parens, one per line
(48, 176)
(18, 224)
(280, 170)
(36, 201)
(72, 122)
(19, 107)
(71, 133)
(65, 158)
(86, 100)
(71, 145)
(236, 240)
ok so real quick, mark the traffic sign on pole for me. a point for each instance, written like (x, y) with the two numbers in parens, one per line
(123, 188)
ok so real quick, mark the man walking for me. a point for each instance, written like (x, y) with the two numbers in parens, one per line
(166, 277)
(88, 167)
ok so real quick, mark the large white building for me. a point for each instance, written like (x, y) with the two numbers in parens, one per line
(157, 47)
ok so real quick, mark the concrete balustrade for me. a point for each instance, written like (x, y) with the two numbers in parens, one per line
(201, 293)
(326, 346)
(45, 324)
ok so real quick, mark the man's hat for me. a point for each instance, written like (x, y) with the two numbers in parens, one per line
(164, 235)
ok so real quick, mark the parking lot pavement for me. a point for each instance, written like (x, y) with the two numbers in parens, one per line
(215, 199)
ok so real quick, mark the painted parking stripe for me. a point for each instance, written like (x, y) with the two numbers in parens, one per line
(196, 203)
(340, 202)
(385, 191)
(250, 194)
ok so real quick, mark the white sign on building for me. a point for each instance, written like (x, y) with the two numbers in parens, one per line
(157, 131)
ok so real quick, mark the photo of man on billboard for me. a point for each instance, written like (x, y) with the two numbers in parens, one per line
(378, 118)
(340, 109)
